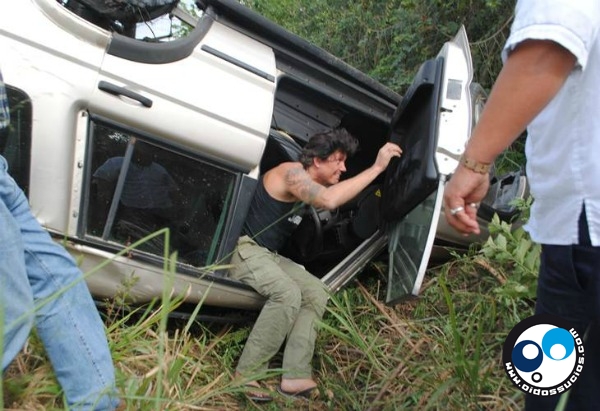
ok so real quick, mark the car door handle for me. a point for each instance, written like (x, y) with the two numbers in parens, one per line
(122, 91)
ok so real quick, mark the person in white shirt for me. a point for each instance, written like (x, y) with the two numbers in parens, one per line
(550, 84)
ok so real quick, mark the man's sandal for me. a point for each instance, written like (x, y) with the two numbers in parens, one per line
(302, 394)
(256, 393)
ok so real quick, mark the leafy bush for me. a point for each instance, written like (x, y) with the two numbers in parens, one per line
(390, 39)
(516, 255)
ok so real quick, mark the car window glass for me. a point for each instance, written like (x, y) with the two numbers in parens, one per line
(410, 242)
(16, 145)
(145, 20)
(137, 187)
(176, 24)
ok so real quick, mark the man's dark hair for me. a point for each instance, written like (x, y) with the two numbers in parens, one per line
(322, 145)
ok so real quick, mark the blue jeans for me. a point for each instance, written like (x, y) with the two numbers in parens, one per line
(40, 284)
(569, 287)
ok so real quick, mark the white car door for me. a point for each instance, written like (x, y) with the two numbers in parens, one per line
(211, 91)
(432, 125)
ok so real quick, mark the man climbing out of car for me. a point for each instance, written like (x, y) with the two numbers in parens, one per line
(295, 299)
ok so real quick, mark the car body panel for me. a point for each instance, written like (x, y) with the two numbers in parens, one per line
(60, 82)
(143, 282)
(235, 106)
(455, 102)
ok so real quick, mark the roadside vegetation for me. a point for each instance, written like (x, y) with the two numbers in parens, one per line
(440, 351)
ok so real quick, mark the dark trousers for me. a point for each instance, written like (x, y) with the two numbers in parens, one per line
(569, 287)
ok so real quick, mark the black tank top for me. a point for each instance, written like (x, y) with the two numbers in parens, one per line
(270, 222)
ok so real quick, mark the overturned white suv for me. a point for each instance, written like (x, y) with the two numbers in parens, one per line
(128, 118)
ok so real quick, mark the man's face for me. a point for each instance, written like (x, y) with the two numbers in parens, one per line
(331, 169)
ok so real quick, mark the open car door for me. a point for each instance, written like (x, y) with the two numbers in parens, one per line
(432, 125)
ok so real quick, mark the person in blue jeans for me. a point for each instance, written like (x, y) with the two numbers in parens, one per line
(41, 285)
(550, 84)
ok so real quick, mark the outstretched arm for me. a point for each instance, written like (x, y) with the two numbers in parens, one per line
(299, 183)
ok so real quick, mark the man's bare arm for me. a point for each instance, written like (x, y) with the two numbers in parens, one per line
(300, 184)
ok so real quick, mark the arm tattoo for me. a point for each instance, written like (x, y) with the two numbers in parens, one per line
(300, 182)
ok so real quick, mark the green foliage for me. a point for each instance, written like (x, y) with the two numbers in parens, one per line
(390, 39)
(441, 351)
(516, 254)
(467, 343)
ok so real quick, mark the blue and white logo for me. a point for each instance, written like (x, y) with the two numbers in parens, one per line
(543, 355)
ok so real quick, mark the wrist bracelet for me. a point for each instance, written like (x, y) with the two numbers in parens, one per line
(474, 165)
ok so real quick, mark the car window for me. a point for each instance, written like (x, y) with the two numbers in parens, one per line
(16, 148)
(144, 20)
(137, 187)
(170, 26)
(410, 243)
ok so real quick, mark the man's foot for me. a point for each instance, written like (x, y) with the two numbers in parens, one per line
(297, 387)
(303, 394)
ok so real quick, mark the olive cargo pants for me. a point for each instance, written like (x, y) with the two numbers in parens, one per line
(295, 301)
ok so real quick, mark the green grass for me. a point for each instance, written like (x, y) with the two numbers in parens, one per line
(441, 351)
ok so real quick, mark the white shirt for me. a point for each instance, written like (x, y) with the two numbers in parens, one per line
(563, 143)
